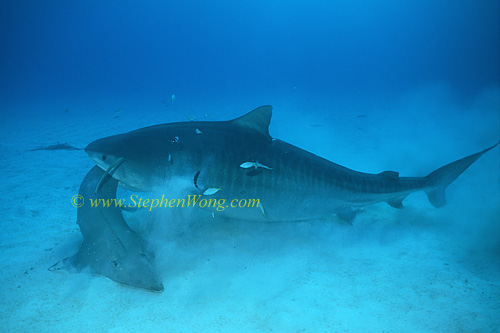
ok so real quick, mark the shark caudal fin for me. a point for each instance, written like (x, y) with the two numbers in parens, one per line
(444, 176)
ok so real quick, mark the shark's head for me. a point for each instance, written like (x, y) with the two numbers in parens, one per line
(128, 160)
(140, 158)
(104, 154)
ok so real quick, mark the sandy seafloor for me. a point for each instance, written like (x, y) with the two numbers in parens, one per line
(418, 269)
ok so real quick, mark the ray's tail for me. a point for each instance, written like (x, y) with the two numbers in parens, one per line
(444, 176)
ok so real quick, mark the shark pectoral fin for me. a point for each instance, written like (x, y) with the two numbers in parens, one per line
(437, 197)
(347, 214)
(396, 203)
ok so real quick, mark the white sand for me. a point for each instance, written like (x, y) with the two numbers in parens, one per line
(417, 269)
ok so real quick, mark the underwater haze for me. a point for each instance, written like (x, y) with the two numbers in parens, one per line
(102, 50)
(384, 85)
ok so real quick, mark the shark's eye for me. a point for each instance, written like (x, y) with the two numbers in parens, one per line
(103, 157)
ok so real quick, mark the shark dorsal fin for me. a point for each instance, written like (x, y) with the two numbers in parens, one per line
(258, 120)
(390, 174)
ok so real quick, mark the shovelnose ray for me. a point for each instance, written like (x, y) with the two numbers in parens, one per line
(295, 185)
(58, 146)
(110, 248)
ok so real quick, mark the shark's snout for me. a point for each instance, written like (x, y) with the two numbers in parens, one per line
(115, 156)
(99, 152)
(94, 151)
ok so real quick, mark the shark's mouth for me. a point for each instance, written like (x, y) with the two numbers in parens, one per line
(109, 172)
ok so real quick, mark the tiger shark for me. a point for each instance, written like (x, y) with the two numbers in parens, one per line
(223, 161)
(238, 159)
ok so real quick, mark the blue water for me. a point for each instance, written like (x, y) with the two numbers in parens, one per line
(372, 85)
(97, 49)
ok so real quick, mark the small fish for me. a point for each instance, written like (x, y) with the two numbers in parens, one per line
(169, 157)
(262, 210)
(173, 98)
(198, 131)
(256, 165)
(211, 190)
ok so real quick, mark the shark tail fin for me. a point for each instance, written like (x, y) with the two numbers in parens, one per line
(440, 179)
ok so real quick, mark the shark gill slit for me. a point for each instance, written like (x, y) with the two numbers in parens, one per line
(196, 179)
